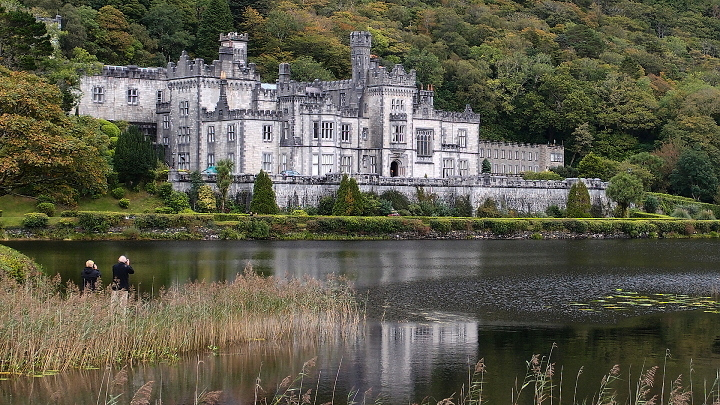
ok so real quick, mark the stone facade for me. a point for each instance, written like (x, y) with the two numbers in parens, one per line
(376, 123)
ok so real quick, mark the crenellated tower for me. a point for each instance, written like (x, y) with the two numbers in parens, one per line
(360, 42)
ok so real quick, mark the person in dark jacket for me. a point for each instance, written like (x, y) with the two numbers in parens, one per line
(121, 274)
(90, 275)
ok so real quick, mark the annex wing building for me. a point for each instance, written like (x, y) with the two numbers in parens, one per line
(378, 122)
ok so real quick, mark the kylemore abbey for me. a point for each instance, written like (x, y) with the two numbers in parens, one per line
(379, 122)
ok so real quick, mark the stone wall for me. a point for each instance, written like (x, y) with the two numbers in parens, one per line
(511, 193)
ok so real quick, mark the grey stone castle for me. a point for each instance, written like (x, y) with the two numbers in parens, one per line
(379, 122)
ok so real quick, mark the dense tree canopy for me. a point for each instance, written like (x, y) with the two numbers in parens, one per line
(134, 157)
(42, 151)
(610, 80)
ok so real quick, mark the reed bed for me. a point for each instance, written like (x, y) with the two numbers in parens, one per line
(45, 328)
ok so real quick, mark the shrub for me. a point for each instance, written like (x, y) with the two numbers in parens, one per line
(124, 203)
(178, 201)
(325, 205)
(164, 210)
(35, 220)
(151, 187)
(488, 209)
(258, 229)
(681, 213)
(554, 211)
(46, 208)
(299, 213)
(68, 214)
(98, 221)
(545, 175)
(17, 266)
(440, 225)
(651, 203)
(706, 215)
(398, 200)
(117, 193)
(164, 190)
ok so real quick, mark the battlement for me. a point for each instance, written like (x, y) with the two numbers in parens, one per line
(398, 76)
(234, 36)
(240, 114)
(360, 39)
(134, 72)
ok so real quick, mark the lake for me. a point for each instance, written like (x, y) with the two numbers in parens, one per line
(434, 309)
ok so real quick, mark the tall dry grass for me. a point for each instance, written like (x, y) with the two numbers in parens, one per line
(43, 328)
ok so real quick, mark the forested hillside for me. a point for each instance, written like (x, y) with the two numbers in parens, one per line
(615, 78)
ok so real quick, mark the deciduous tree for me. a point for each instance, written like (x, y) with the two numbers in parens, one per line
(625, 189)
(42, 151)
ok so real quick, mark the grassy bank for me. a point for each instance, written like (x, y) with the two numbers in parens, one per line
(44, 328)
(117, 225)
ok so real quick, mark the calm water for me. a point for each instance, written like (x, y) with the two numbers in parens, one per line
(435, 308)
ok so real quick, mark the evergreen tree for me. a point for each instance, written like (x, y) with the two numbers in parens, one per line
(196, 181)
(22, 40)
(263, 198)
(486, 166)
(349, 200)
(215, 19)
(224, 179)
(578, 205)
(134, 158)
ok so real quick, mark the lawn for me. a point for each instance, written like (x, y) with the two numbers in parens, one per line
(13, 207)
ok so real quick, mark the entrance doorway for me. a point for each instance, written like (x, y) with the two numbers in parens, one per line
(394, 168)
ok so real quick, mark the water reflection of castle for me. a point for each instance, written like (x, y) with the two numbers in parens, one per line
(378, 122)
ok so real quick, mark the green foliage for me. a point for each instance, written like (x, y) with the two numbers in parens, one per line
(98, 221)
(215, 19)
(17, 266)
(35, 220)
(625, 189)
(23, 40)
(565, 171)
(325, 205)
(651, 203)
(398, 200)
(463, 207)
(223, 178)
(124, 203)
(263, 198)
(486, 166)
(148, 221)
(206, 199)
(488, 209)
(38, 139)
(554, 211)
(117, 193)
(164, 190)
(177, 201)
(349, 200)
(134, 157)
(578, 205)
(694, 176)
(544, 175)
(593, 166)
(46, 208)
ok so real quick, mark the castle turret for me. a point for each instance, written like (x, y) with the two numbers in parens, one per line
(360, 42)
(235, 44)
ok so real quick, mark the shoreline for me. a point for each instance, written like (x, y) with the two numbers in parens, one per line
(120, 226)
